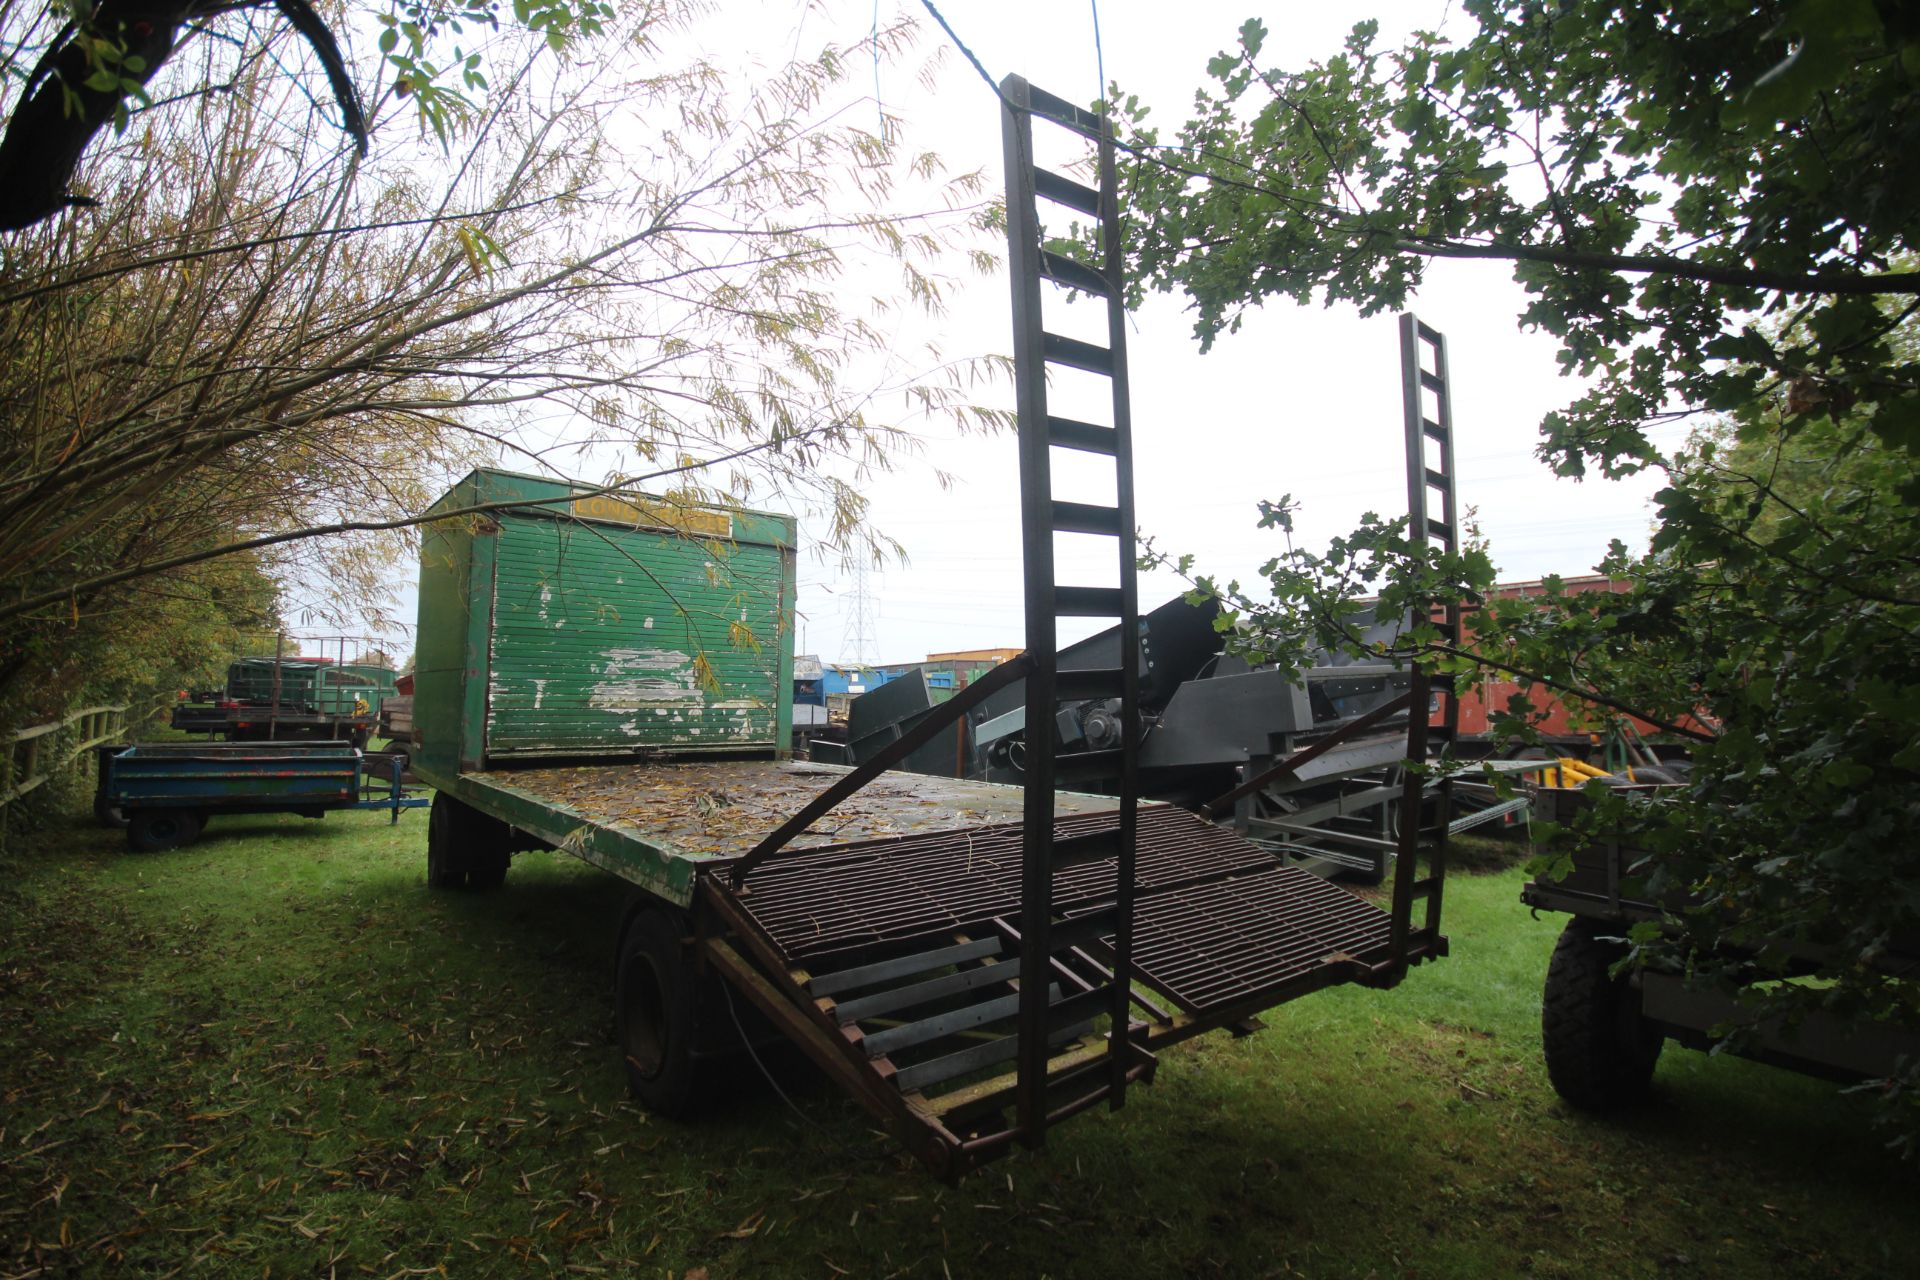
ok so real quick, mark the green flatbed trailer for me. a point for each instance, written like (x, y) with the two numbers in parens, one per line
(612, 678)
(297, 697)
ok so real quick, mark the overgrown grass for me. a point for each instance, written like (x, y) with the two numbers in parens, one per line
(276, 1053)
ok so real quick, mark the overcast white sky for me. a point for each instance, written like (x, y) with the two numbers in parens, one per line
(1302, 401)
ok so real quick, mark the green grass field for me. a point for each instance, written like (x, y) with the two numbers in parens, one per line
(275, 1053)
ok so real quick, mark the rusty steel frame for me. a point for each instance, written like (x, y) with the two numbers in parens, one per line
(1206, 919)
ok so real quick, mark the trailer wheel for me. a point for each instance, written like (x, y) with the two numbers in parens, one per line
(654, 1009)
(446, 861)
(1600, 1051)
(487, 865)
(154, 830)
(487, 845)
(466, 849)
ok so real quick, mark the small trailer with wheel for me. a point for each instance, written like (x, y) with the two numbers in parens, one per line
(1602, 1031)
(165, 793)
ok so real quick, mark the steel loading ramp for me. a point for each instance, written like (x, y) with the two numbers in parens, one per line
(895, 963)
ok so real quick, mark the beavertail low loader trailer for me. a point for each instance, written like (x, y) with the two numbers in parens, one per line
(611, 679)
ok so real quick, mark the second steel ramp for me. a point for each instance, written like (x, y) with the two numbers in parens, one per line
(1220, 924)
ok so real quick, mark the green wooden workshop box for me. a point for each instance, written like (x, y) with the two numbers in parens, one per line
(561, 623)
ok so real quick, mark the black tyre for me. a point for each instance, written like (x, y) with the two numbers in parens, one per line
(489, 849)
(446, 860)
(466, 849)
(152, 830)
(1600, 1051)
(654, 1003)
(487, 866)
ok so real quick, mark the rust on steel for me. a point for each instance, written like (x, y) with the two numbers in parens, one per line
(823, 902)
(1218, 921)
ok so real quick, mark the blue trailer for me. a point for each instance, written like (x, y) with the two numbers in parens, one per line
(167, 792)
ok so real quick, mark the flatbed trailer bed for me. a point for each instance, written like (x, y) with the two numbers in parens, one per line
(657, 823)
(258, 723)
(884, 941)
(911, 855)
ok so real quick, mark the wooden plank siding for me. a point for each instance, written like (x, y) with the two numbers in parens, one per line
(611, 637)
(571, 625)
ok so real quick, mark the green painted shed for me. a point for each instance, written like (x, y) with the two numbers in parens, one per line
(557, 621)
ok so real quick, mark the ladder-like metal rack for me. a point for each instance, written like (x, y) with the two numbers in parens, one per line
(1035, 269)
(1433, 520)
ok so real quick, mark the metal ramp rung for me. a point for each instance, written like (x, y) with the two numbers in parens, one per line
(945, 1031)
(1081, 517)
(880, 1044)
(922, 992)
(1064, 190)
(1076, 354)
(996, 1092)
(931, 1003)
(1076, 931)
(1073, 275)
(979, 1057)
(869, 974)
(1063, 113)
(1070, 433)
(1089, 682)
(1088, 602)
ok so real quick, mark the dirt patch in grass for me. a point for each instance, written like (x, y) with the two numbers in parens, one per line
(277, 1053)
